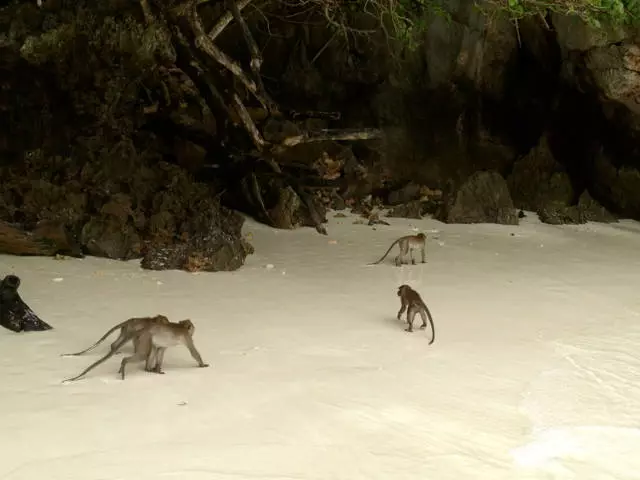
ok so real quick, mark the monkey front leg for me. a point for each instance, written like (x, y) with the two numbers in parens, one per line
(194, 353)
(402, 309)
(424, 254)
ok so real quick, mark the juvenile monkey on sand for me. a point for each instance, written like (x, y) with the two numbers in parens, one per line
(132, 325)
(412, 303)
(407, 245)
(150, 344)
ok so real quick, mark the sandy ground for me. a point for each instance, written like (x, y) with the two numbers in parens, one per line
(533, 374)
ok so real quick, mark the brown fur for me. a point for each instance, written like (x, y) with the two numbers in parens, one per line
(412, 303)
(407, 245)
(150, 344)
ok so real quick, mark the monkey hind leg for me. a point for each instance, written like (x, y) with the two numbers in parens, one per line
(154, 361)
(410, 314)
(424, 320)
(136, 357)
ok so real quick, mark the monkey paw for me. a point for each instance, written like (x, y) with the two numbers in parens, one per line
(204, 365)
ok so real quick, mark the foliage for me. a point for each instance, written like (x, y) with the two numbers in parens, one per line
(593, 12)
(403, 21)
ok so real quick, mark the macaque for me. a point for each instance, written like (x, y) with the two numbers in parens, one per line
(412, 303)
(150, 344)
(407, 245)
(131, 325)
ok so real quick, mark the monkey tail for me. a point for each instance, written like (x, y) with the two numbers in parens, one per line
(106, 357)
(102, 339)
(433, 330)
(387, 253)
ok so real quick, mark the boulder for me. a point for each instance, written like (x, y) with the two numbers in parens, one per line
(482, 198)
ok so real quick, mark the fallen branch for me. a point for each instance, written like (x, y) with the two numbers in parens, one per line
(256, 56)
(248, 123)
(204, 43)
(315, 114)
(225, 20)
(333, 135)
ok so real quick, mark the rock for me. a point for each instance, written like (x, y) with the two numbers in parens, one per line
(218, 249)
(618, 187)
(537, 180)
(412, 209)
(482, 198)
(556, 213)
(107, 236)
(49, 238)
(587, 210)
(409, 192)
(592, 211)
(15, 315)
(121, 205)
(616, 72)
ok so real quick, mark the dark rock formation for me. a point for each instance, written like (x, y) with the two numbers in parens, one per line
(587, 210)
(482, 198)
(221, 248)
(537, 179)
(15, 315)
(123, 209)
(47, 238)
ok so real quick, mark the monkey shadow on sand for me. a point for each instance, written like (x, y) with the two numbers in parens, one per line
(15, 315)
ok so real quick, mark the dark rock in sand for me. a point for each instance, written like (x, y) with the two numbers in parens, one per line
(16, 315)
(482, 198)
(222, 248)
(587, 210)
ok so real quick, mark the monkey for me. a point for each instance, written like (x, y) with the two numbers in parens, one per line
(412, 302)
(407, 245)
(157, 340)
(150, 344)
(133, 324)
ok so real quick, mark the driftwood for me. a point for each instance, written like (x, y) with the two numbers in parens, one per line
(48, 238)
(261, 184)
(15, 315)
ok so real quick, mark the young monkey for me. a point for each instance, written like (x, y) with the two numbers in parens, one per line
(150, 344)
(132, 325)
(412, 302)
(407, 245)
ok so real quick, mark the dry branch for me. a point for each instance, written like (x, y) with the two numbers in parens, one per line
(204, 43)
(225, 20)
(248, 123)
(256, 56)
(333, 135)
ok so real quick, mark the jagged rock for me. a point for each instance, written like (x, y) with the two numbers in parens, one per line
(120, 207)
(15, 315)
(587, 210)
(412, 209)
(219, 248)
(409, 192)
(537, 180)
(556, 213)
(482, 198)
(619, 186)
(592, 211)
